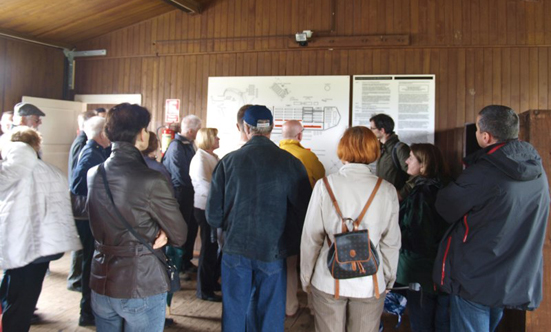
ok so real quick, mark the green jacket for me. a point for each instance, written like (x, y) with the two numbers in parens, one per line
(385, 165)
(422, 229)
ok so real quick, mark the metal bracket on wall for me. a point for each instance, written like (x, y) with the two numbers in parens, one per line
(71, 55)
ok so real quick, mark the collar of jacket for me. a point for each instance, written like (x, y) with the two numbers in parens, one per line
(475, 157)
(183, 139)
(93, 144)
(392, 139)
(128, 150)
(290, 142)
(258, 140)
(355, 167)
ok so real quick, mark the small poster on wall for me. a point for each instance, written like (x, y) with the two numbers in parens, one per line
(172, 111)
(408, 99)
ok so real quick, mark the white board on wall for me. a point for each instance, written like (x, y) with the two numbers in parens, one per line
(321, 103)
(408, 99)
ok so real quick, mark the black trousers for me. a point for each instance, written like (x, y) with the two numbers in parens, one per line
(209, 265)
(184, 196)
(21, 288)
(87, 239)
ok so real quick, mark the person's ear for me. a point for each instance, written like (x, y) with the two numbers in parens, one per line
(487, 138)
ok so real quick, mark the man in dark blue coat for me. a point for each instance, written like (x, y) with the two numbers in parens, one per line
(176, 160)
(91, 155)
(491, 258)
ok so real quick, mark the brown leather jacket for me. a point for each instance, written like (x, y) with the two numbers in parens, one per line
(122, 267)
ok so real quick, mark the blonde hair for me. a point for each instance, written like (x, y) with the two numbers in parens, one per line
(206, 137)
(26, 135)
(359, 145)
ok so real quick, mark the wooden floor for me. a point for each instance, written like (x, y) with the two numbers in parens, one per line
(59, 308)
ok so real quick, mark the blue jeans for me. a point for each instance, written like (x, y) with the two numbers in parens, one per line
(467, 316)
(146, 314)
(428, 312)
(253, 294)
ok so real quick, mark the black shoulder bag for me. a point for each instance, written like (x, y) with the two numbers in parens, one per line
(172, 271)
(352, 255)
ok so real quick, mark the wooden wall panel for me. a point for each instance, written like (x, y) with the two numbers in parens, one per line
(29, 69)
(481, 51)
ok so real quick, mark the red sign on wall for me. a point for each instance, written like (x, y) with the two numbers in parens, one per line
(172, 110)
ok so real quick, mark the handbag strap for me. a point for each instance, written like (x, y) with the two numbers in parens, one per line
(131, 229)
(366, 206)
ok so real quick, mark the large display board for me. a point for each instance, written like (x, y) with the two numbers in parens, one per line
(408, 99)
(321, 103)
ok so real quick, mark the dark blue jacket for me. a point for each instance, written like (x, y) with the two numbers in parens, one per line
(177, 159)
(492, 255)
(76, 147)
(92, 154)
(259, 196)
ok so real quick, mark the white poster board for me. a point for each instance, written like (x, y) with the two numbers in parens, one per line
(321, 103)
(408, 99)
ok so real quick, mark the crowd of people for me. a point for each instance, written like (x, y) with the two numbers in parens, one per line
(269, 216)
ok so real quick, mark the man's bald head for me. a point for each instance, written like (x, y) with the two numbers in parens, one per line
(292, 129)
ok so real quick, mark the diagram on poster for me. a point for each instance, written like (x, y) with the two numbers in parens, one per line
(321, 103)
(408, 99)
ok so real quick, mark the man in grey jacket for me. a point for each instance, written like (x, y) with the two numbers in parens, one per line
(491, 258)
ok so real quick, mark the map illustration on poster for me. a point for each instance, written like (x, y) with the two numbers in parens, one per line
(321, 103)
(408, 99)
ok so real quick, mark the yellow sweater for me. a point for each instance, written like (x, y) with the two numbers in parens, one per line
(313, 166)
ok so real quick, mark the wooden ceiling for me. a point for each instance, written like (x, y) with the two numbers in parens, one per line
(67, 22)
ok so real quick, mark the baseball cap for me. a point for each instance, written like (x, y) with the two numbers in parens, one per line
(24, 109)
(258, 116)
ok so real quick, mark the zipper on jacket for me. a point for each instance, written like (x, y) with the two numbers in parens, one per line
(444, 260)
(466, 228)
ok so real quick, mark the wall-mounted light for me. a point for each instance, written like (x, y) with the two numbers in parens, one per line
(302, 37)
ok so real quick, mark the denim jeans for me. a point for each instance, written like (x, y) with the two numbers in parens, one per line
(254, 294)
(130, 315)
(428, 312)
(467, 316)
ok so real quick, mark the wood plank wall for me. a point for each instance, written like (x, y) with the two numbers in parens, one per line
(29, 69)
(481, 51)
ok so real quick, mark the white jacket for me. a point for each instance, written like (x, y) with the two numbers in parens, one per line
(35, 210)
(200, 171)
(352, 186)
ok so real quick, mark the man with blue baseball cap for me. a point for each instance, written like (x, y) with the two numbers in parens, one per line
(259, 196)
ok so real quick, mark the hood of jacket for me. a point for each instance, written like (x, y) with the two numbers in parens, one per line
(518, 160)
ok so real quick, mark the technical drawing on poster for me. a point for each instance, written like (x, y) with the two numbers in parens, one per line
(320, 103)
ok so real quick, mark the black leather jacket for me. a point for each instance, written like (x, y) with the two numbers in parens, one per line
(122, 267)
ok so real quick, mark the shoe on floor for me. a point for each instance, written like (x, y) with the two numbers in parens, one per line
(191, 269)
(185, 276)
(217, 287)
(169, 322)
(86, 321)
(211, 298)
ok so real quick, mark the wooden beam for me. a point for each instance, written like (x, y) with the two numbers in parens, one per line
(189, 6)
(32, 39)
(353, 41)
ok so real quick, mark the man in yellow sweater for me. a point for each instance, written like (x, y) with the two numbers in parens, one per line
(292, 135)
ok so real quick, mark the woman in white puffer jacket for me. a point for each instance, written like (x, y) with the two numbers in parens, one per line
(36, 224)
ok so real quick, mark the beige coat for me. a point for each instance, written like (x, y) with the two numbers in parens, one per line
(352, 185)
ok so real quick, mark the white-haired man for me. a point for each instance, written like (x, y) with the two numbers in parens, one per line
(91, 155)
(75, 274)
(176, 160)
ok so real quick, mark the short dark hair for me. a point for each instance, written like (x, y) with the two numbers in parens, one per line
(500, 121)
(125, 121)
(383, 121)
(100, 110)
(241, 114)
